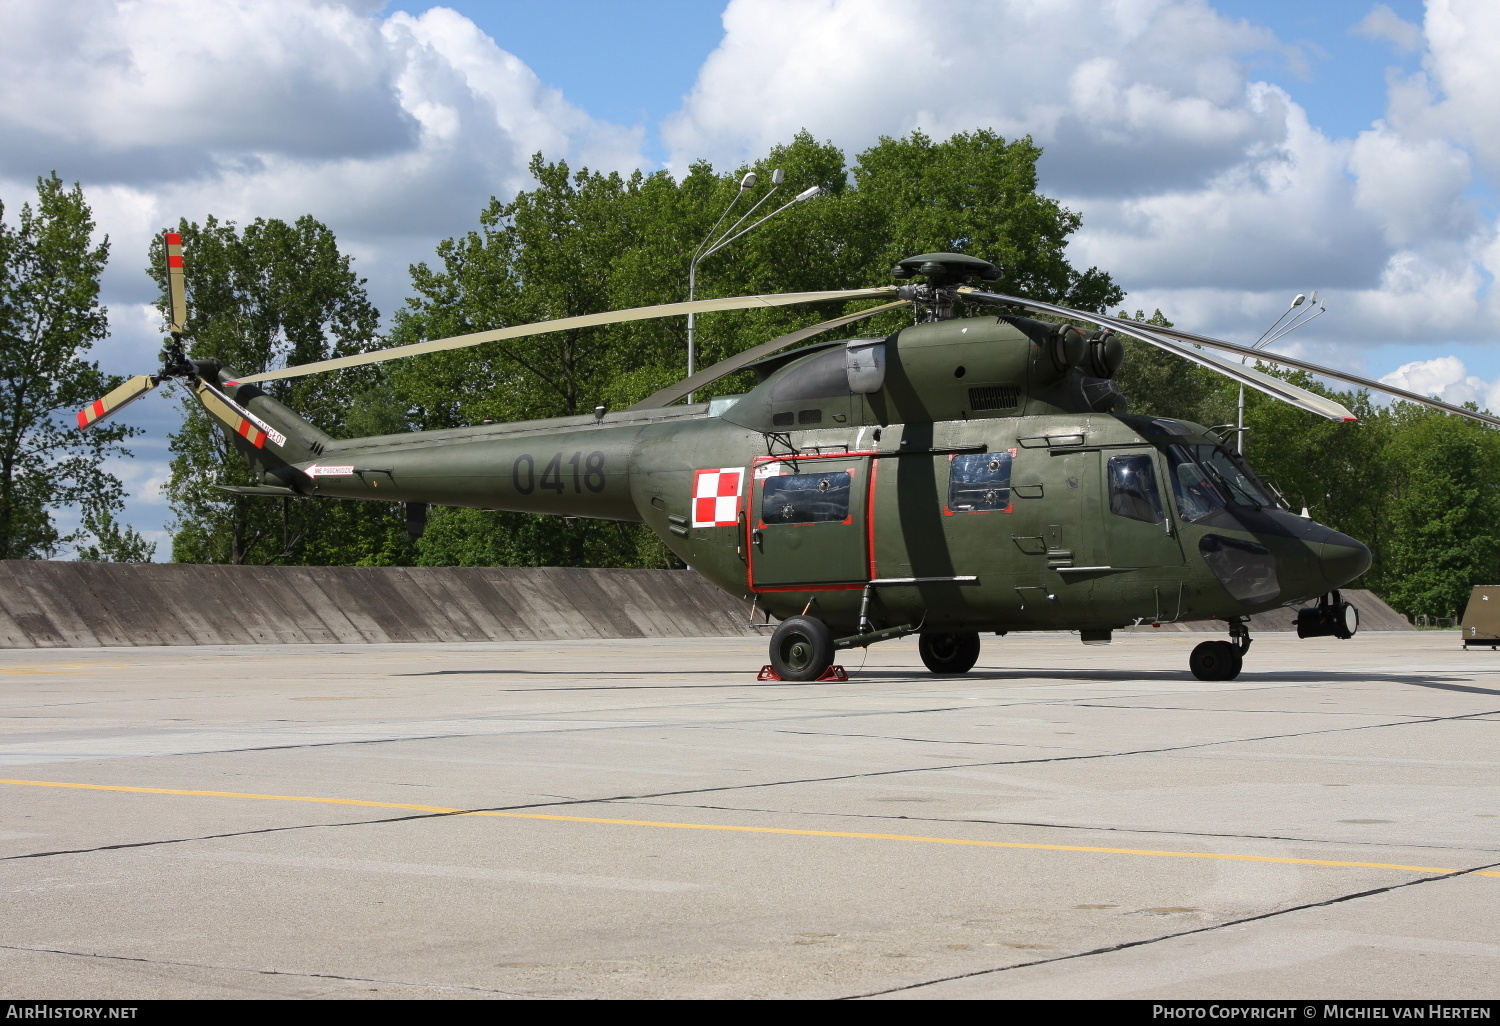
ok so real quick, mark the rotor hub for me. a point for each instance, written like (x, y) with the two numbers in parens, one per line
(936, 299)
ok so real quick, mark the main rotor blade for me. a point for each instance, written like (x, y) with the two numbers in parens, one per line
(116, 400)
(1257, 354)
(1272, 386)
(739, 361)
(1313, 368)
(640, 313)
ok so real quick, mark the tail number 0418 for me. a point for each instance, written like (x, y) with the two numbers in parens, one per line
(556, 476)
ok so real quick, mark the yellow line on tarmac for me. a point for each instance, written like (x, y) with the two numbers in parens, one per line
(738, 829)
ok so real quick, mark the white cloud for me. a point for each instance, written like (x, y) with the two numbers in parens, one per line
(1202, 190)
(1274, 220)
(393, 130)
(1463, 61)
(1384, 23)
(1448, 379)
(1413, 187)
(156, 88)
(1121, 93)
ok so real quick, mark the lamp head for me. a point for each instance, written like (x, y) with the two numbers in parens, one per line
(808, 194)
(777, 176)
(748, 182)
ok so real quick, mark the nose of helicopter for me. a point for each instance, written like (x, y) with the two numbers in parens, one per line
(1342, 559)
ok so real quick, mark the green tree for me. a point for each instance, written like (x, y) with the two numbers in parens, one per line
(1444, 509)
(275, 293)
(1157, 383)
(974, 193)
(50, 318)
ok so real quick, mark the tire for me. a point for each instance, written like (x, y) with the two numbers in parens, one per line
(1215, 660)
(801, 648)
(949, 653)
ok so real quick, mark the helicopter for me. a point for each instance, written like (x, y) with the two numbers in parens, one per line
(962, 475)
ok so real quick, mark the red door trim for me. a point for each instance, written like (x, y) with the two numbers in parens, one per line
(750, 520)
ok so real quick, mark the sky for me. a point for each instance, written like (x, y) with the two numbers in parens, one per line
(1225, 155)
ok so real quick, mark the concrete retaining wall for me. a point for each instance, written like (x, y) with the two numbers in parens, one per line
(88, 605)
(85, 605)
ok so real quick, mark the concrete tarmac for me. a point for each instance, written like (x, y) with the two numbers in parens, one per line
(641, 818)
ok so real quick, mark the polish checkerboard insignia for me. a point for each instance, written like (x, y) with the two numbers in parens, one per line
(716, 496)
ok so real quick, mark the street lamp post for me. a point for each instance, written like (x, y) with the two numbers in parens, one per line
(711, 245)
(1275, 331)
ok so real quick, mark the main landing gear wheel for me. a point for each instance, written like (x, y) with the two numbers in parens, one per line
(801, 648)
(949, 653)
(1216, 660)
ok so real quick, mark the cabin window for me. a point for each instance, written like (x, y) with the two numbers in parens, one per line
(979, 482)
(805, 498)
(1132, 489)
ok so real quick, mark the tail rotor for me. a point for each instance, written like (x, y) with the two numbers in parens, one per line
(175, 363)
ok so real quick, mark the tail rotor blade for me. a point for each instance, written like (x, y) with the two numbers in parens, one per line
(176, 287)
(116, 400)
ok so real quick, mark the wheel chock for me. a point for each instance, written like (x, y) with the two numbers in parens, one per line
(834, 672)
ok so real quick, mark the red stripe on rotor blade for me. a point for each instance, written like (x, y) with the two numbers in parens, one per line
(174, 261)
(83, 419)
(254, 435)
(98, 408)
(174, 238)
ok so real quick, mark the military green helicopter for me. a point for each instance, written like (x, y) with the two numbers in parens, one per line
(964, 474)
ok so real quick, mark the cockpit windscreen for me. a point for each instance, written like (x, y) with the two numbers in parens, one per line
(1206, 478)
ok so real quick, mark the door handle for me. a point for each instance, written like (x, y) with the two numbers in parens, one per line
(758, 539)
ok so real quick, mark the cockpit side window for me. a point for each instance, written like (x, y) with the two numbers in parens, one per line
(1239, 486)
(1132, 488)
(1206, 478)
(1196, 494)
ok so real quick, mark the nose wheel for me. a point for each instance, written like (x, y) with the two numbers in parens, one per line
(1221, 660)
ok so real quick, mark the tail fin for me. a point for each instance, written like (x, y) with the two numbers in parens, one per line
(271, 436)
